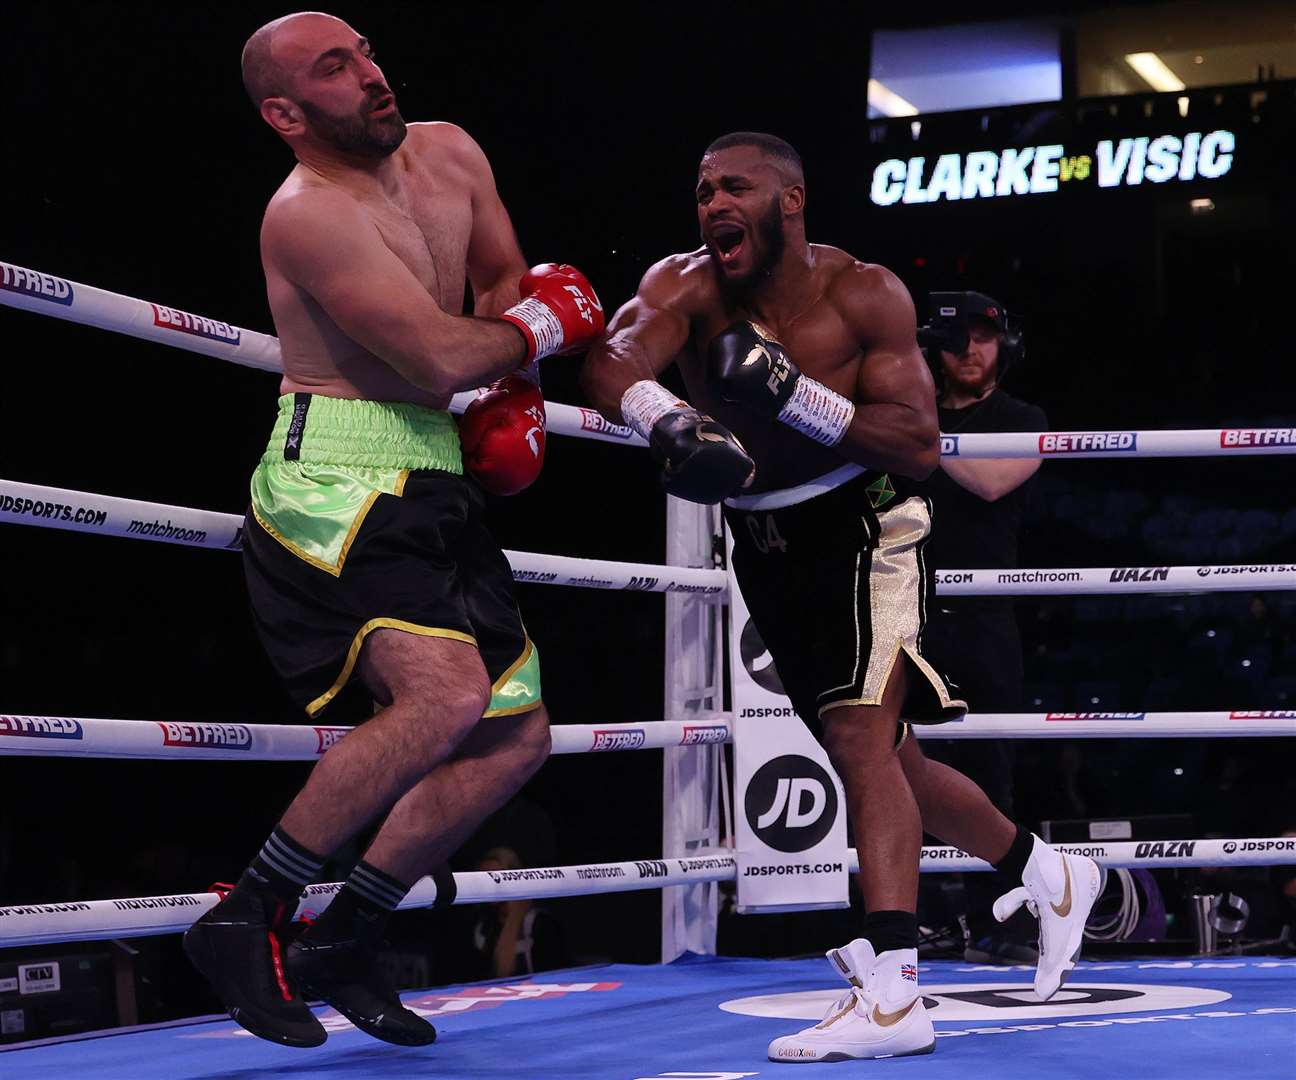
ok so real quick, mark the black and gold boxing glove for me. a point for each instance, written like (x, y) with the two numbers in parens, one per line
(748, 367)
(701, 460)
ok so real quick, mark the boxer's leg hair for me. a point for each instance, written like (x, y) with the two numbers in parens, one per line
(443, 809)
(435, 690)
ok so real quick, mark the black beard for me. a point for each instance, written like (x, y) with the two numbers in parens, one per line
(769, 233)
(359, 135)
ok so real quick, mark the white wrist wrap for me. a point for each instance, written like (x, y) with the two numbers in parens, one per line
(545, 327)
(645, 403)
(817, 412)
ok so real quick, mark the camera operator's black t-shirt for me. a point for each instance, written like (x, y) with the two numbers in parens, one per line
(967, 531)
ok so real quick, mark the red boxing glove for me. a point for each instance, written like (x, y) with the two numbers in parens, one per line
(559, 310)
(503, 435)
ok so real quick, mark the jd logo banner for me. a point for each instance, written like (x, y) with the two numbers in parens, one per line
(791, 803)
(790, 809)
(757, 660)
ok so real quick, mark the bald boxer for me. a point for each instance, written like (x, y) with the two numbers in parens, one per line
(364, 547)
(813, 414)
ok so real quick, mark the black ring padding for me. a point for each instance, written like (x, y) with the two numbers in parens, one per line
(446, 889)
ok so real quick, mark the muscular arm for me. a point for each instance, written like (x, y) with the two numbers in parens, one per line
(323, 243)
(987, 479)
(641, 341)
(894, 427)
(495, 262)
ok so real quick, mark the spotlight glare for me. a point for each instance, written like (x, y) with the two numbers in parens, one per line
(887, 101)
(1153, 71)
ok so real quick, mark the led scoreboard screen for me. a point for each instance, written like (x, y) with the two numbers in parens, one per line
(1007, 172)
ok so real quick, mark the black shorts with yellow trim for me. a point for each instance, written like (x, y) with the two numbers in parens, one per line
(419, 560)
(838, 590)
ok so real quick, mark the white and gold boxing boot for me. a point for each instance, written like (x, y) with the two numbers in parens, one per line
(1060, 890)
(880, 1016)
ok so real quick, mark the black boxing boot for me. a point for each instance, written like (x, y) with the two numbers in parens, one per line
(237, 949)
(336, 960)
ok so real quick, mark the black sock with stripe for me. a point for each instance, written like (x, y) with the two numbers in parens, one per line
(282, 869)
(362, 906)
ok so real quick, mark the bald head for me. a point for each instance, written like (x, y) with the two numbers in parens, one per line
(263, 75)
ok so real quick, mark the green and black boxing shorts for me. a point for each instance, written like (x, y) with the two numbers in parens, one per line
(834, 577)
(361, 518)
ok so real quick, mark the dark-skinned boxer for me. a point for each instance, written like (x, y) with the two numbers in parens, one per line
(812, 414)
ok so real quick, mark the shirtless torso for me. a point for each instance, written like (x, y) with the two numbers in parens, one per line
(435, 210)
(817, 330)
(848, 324)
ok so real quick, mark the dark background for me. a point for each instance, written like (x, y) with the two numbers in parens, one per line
(131, 160)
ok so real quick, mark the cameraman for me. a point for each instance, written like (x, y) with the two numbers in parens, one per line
(976, 515)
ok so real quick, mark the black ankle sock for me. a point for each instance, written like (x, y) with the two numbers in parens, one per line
(283, 868)
(1013, 865)
(887, 930)
(362, 906)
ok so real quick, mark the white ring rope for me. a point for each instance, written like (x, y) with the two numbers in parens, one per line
(24, 735)
(46, 294)
(90, 920)
(1201, 442)
(106, 515)
(168, 740)
(1115, 725)
(1094, 581)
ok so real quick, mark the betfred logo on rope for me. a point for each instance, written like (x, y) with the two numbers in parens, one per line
(41, 727)
(207, 736)
(1270, 714)
(1078, 442)
(599, 424)
(36, 285)
(1235, 438)
(704, 734)
(199, 326)
(1095, 716)
(329, 737)
(631, 739)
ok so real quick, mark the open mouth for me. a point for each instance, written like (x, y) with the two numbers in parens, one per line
(728, 240)
(384, 105)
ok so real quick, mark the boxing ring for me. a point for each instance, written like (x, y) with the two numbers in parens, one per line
(700, 1017)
